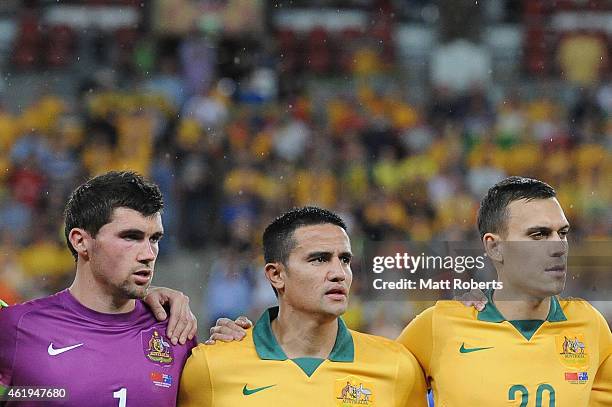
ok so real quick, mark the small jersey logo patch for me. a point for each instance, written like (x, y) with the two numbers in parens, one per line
(353, 391)
(577, 377)
(572, 350)
(161, 379)
(156, 349)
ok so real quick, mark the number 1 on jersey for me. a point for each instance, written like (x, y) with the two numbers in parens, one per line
(122, 396)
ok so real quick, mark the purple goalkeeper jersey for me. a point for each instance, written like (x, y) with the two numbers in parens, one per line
(109, 360)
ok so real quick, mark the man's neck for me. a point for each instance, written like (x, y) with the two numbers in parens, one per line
(87, 291)
(301, 335)
(523, 307)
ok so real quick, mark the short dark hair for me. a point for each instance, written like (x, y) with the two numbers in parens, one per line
(90, 206)
(493, 211)
(278, 241)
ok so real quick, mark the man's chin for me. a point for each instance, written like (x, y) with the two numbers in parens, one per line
(337, 310)
(551, 290)
(136, 292)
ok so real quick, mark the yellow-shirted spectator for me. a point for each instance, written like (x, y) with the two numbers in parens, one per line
(9, 130)
(98, 157)
(582, 57)
(317, 186)
(521, 159)
(46, 258)
(135, 147)
(387, 174)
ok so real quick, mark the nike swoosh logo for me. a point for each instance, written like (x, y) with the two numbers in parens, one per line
(54, 352)
(463, 349)
(248, 392)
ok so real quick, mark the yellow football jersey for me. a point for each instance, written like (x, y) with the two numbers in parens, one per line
(476, 358)
(361, 370)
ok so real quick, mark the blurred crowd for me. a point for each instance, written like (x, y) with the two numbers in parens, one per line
(232, 151)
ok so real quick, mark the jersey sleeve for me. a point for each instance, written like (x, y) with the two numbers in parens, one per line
(411, 389)
(601, 394)
(418, 338)
(195, 389)
(9, 318)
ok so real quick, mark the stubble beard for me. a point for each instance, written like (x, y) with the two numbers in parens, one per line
(133, 291)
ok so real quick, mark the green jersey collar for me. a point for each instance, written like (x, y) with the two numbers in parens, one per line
(491, 314)
(268, 348)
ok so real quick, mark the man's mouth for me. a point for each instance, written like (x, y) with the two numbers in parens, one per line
(558, 269)
(337, 293)
(143, 276)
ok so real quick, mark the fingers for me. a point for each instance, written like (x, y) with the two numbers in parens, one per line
(227, 330)
(479, 305)
(194, 327)
(219, 337)
(179, 318)
(473, 298)
(159, 311)
(243, 322)
(155, 301)
(190, 325)
(182, 324)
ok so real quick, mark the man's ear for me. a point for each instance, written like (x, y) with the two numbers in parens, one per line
(275, 273)
(80, 240)
(493, 247)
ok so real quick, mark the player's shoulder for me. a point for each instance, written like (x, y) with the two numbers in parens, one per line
(12, 314)
(380, 350)
(449, 309)
(222, 349)
(377, 346)
(574, 307)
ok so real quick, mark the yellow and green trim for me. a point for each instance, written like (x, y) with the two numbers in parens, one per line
(267, 346)
(527, 328)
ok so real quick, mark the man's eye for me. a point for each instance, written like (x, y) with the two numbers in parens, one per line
(563, 233)
(537, 235)
(346, 259)
(319, 259)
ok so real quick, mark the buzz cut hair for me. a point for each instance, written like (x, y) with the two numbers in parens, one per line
(278, 241)
(493, 211)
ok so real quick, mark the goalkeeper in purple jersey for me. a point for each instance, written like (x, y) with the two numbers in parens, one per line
(97, 340)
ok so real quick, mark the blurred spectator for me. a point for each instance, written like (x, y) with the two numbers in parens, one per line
(168, 82)
(229, 289)
(290, 138)
(460, 65)
(198, 56)
(583, 56)
(207, 108)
